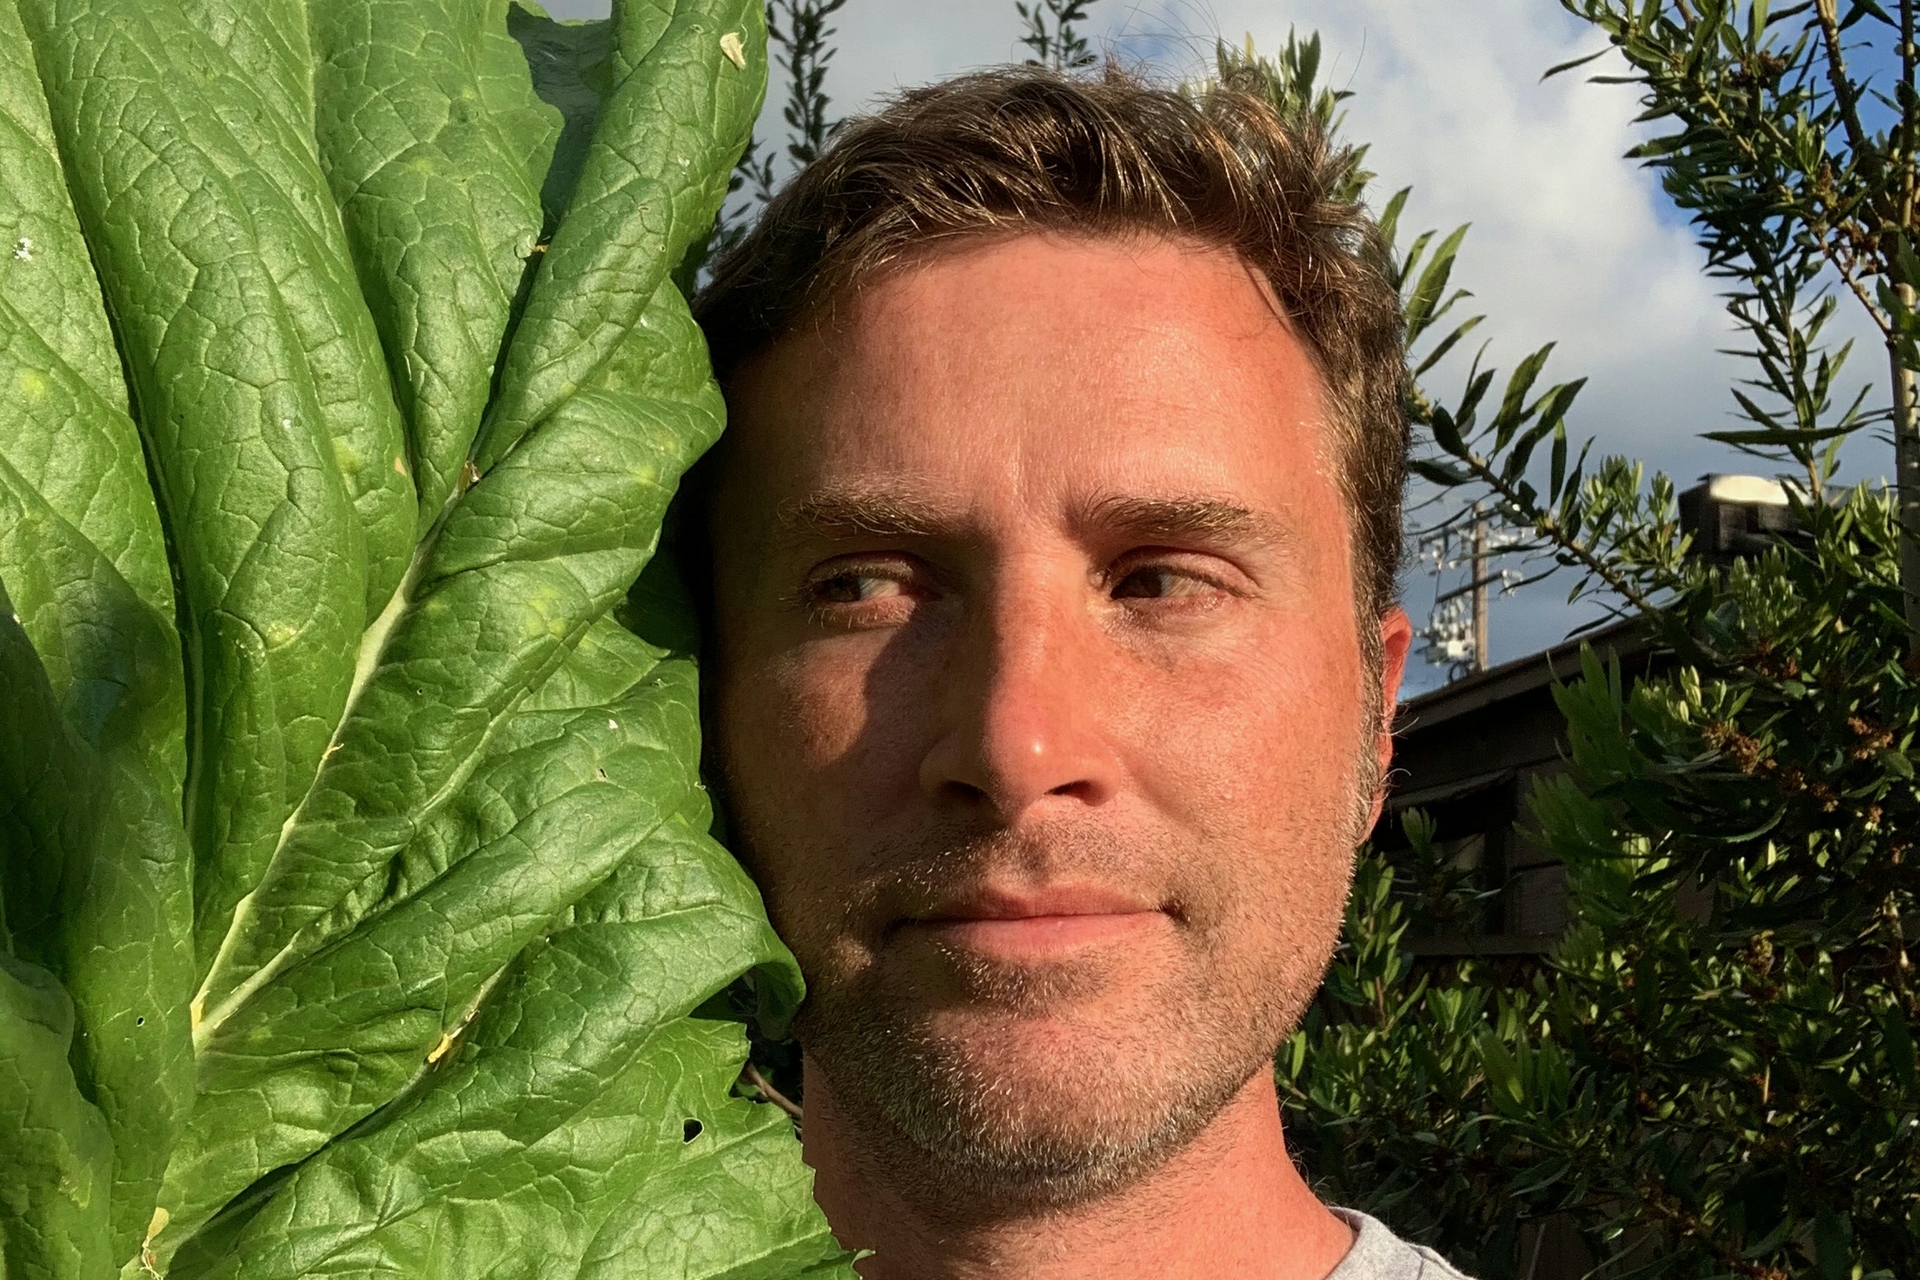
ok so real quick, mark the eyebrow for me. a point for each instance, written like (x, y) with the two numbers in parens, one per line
(1179, 519)
(855, 514)
(887, 514)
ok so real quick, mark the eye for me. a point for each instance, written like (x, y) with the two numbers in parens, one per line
(851, 587)
(864, 593)
(1160, 582)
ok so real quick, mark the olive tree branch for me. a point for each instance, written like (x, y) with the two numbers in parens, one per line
(1551, 530)
(1844, 92)
(1741, 137)
(1845, 268)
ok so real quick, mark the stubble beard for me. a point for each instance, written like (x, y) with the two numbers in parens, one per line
(1002, 1118)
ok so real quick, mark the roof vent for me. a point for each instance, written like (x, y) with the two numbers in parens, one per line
(1732, 516)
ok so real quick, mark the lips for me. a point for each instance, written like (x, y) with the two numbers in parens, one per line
(1016, 924)
(991, 903)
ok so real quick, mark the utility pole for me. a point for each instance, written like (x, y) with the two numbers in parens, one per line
(1459, 630)
(1480, 594)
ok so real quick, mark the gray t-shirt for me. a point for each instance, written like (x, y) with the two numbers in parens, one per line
(1378, 1254)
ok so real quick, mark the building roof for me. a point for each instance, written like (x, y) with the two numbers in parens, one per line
(1513, 679)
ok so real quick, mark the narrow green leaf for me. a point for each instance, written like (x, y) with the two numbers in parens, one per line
(1754, 411)
(1552, 410)
(1446, 434)
(1513, 404)
(1389, 219)
(1440, 473)
(1446, 344)
(1559, 68)
(1478, 381)
(1780, 437)
(1432, 284)
(1409, 262)
(1859, 9)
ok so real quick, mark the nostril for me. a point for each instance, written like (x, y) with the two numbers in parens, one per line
(954, 791)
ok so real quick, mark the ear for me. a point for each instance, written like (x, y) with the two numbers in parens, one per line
(1396, 638)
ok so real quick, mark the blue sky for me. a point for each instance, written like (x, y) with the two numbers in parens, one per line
(1570, 242)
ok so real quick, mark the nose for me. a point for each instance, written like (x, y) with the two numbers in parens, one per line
(1020, 724)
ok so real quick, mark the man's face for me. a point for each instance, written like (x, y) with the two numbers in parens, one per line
(1040, 702)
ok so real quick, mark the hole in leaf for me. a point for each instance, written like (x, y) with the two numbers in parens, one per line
(690, 1131)
(139, 1022)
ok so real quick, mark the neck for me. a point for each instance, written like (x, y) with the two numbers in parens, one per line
(1229, 1203)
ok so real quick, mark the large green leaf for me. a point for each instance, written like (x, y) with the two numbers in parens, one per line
(360, 915)
(656, 171)
(258, 57)
(82, 550)
(556, 808)
(581, 1097)
(68, 437)
(49, 282)
(542, 546)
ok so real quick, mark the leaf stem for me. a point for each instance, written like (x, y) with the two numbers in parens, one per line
(751, 1074)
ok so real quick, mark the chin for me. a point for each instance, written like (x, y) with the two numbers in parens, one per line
(1050, 1116)
(1035, 1108)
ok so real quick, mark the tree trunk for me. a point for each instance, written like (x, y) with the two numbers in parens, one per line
(1906, 448)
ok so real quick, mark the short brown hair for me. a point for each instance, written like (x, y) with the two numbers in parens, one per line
(1024, 148)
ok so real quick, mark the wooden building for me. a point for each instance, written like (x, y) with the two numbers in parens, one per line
(1468, 754)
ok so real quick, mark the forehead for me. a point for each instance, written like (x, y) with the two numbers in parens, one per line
(1040, 368)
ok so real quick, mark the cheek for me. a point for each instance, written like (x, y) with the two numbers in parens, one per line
(808, 765)
(1269, 790)
(773, 818)
(1257, 747)
(779, 730)
(808, 714)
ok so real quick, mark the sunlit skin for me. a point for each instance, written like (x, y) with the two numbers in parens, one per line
(1041, 706)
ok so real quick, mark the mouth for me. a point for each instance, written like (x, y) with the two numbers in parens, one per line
(1032, 925)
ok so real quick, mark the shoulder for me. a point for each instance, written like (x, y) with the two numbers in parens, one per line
(1378, 1254)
